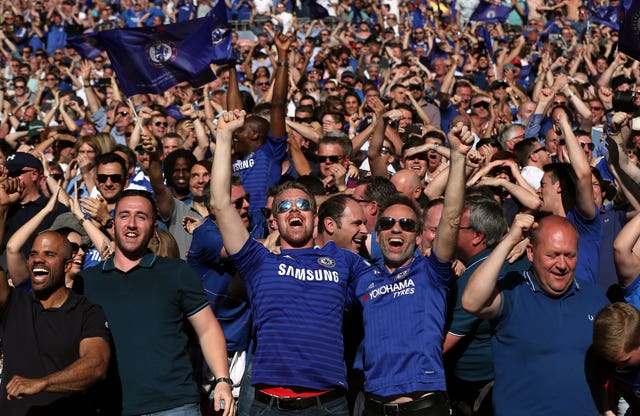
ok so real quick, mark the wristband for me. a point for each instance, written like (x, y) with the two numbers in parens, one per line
(223, 380)
(282, 63)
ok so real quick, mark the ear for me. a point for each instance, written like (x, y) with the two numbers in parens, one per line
(329, 225)
(67, 265)
(530, 252)
(417, 192)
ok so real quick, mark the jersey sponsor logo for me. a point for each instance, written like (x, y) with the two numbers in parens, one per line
(326, 262)
(219, 34)
(160, 52)
(309, 275)
(397, 289)
(243, 164)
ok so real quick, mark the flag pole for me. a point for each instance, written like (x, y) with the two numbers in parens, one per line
(134, 114)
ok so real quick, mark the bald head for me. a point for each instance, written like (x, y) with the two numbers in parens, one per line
(407, 183)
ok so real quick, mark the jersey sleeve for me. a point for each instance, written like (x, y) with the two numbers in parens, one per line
(276, 147)
(192, 295)
(441, 270)
(95, 323)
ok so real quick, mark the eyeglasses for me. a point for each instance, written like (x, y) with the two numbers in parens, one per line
(302, 119)
(262, 84)
(161, 123)
(124, 114)
(385, 149)
(330, 159)
(596, 108)
(407, 224)
(328, 89)
(540, 149)
(301, 204)
(559, 103)
(589, 146)
(266, 212)
(415, 87)
(313, 71)
(20, 172)
(19, 87)
(239, 202)
(115, 177)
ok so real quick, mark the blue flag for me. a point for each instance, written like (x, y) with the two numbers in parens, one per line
(490, 13)
(85, 45)
(605, 15)
(630, 30)
(486, 38)
(154, 59)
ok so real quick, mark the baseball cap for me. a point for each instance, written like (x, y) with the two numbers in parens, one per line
(20, 160)
(35, 128)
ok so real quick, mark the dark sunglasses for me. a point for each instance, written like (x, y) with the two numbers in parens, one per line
(161, 123)
(385, 149)
(482, 104)
(239, 202)
(302, 119)
(57, 176)
(407, 224)
(589, 146)
(415, 87)
(51, 79)
(329, 159)
(115, 178)
(300, 203)
(75, 247)
(262, 84)
(421, 156)
(125, 113)
(21, 87)
(266, 212)
(329, 89)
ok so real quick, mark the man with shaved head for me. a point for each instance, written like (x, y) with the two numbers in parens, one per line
(409, 184)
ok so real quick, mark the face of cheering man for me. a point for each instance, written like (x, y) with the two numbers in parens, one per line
(296, 218)
(49, 261)
(111, 181)
(397, 233)
(134, 225)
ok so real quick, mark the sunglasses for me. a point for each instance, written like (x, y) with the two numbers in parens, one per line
(385, 149)
(415, 87)
(115, 178)
(125, 113)
(161, 123)
(589, 146)
(262, 84)
(51, 79)
(329, 159)
(421, 156)
(481, 104)
(57, 176)
(19, 87)
(407, 224)
(540, 149)
(313, 71)
(328, 89)
(239, 202)
(266, 212)
(300, 203)
(302, 119)
(75, 247)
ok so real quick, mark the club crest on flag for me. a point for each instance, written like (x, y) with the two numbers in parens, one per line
(160, 52)
(219, 34)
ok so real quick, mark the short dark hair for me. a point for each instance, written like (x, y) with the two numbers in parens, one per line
(379, 189)
(332, 208)
(281, 189)
(523, 150)
(111, 157)
(127, 193)
(399, 199)
(169, 162)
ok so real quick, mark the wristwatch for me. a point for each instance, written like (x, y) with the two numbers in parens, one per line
(108, 223)
(223, 380)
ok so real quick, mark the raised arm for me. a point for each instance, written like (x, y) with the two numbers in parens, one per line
(234, 234)
(277, 125)
(460, 140)
(627, 261)
(481, 296)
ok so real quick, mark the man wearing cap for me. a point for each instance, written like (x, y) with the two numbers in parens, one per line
(28, 169)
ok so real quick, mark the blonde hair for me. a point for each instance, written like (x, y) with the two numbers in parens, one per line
(616, 329)
(163, 244)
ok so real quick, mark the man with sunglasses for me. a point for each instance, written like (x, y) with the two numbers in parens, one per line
(404, 303)
(298, 296)
(31, 200)
(111, 180)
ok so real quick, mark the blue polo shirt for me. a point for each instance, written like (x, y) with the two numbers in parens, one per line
(590, 232)
(233, 312)
(146, 308)
(540, 345)
(298, 299)
(404, 315)
(472, 358)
